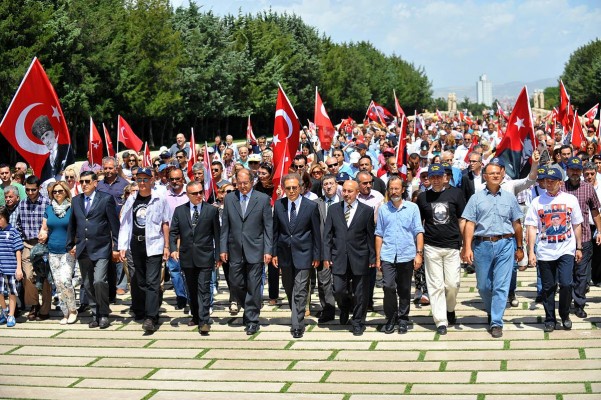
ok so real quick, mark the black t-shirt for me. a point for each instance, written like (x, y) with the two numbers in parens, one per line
(139, 215)
(440, 212)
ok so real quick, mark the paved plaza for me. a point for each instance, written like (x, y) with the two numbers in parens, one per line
(45, 360)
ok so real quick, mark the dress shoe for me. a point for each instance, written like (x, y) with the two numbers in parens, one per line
(451, 317)
(251, 329)
(83, 308)
(325, 318)
(389, 327)
(567, 324)
(580, 313)
(103, 322)
(538, 299)
(549, 327)
(72, 318)
(512, 300)
(441, 330)
(33, 313)
(234, 308)
(42, 317)
(344, 317)
(297, 333)
(403, 327)
(181, 303)
(192, 322)
(148, 326)
(93, 324)
(370, 306)
(496, 332)
(204, 329)
(358, 330)
(120, 292)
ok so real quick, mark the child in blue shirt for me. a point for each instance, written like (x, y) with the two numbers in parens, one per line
(11, 248)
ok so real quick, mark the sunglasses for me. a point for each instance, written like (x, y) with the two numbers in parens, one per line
(132, 161)
(60, 191)
(69, 177)
(291, 188)
(31, 190)
(195, 193)
(229, 191)
(142, 180)
(215, 169)
(85, 181)
(331, 165)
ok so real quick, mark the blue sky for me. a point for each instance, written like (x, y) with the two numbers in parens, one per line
(455, 41)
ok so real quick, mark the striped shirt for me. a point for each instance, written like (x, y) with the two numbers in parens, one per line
(588, 201)
(31, 216)
(10, 243)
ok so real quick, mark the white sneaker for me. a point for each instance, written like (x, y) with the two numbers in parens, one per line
(64, 321)
(72, 318)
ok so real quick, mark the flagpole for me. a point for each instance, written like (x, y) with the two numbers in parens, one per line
(117, 152)
(89, 145)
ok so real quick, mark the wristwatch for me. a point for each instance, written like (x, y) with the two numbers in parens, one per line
(420, 252)
(520, 248)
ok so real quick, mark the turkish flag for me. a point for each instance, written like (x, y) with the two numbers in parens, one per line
(501, 112)
(325, 127)
(475, 141)
(250, 135)
(109, 143)
(146, 161)
(519, 141)
(127, 136)
(376, 112)
(286, 136)
(578, 138)
(564, 105)
(192, 159)
(401, 150)
(35, 125)
(592, 113)
(94, 145)
(209, 187)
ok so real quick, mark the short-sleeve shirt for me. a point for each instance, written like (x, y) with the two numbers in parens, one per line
(493, 213)
(554, 217)
(398, 228)
(440, 212)
(10, 243)
(139, 215)
(588, 200)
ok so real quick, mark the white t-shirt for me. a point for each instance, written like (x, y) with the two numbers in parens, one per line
(554, 218)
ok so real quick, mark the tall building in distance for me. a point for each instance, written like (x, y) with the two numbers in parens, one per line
(484, 91)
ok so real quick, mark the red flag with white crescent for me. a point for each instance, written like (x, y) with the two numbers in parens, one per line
(147, 160)
(592, 113)
(193, 158)
(401, 151)
(250, 135)
(208, 183)
(578, 138)
(35, 125)
(324, 124)
(519, 141)
(127, 136)
(286, 136)
(109, 143)
(564, 110)
(94, 145)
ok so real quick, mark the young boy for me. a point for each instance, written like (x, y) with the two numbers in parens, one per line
(11, 247)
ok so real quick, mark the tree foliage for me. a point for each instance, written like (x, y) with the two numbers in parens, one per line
(582, 75)
(167, 70)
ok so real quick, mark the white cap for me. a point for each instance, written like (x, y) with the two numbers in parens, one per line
(354, 157)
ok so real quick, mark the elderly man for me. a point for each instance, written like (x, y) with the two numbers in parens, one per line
(12, 198)
(492, 220)
(6, 180)
(243, 156)
(180, 144)
(229, 142)
(589, 205)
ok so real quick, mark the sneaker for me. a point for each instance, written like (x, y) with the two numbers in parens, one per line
(234, 308)
(2, 318)
(72, 318)
(10, 321)
(64, 321)
(512, 300)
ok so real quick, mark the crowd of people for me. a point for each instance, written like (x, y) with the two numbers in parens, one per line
(342, 220)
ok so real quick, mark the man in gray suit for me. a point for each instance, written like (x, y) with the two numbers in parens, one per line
(297, 247)
(349, 250)
(246, 242)
(196, 225)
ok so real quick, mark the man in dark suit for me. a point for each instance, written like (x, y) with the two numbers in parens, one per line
(92, 238)
(349, 251)
(196, 224)
(297, 247)
(324, 275)
(472, 179)
(246, 242)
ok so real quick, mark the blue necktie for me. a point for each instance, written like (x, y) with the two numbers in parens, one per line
(292, 216)
(87, 205)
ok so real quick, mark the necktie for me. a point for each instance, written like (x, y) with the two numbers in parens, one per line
(195, 216)
(87, 205)
(347, 213)
(244, 199)
(292, 216)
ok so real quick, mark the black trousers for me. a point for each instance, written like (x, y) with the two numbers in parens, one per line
(325, 291)
(226, 274)
(596, 263)
(198, 282)
(145, 283)
(348, 286)
(245, 280)
(273, 281)
(396, 281)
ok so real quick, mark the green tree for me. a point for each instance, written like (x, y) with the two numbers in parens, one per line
(551, 97)
(582, 75)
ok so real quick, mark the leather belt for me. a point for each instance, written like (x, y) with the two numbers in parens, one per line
(139, 238)
(494, 238)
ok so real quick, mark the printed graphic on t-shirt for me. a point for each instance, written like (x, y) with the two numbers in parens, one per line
(440, 213)
(556, 223)
(140, 215)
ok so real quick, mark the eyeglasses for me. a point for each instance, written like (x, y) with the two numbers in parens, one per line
(31, 190)
(367, 183)
(229, 191)
(142, 180)
(85, 181)
(157, 165)
(215, 169)
(195, 193)
(291, 188)
(69, 177)
(60, 191)
(331, 165)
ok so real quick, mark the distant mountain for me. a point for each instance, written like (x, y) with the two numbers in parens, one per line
(504, 91)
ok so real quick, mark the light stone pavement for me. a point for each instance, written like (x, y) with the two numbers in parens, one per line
(46, 360)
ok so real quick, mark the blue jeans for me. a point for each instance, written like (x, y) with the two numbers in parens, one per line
(177, 279)
(494, 266)
(559, 270)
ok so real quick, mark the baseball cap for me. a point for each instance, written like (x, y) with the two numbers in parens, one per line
(424, 146)
(423, 170)
(163, 167)
(553, 172)
(541, 172)
(144, 171)
(575, 163)
(498, 161)
(343, 176)
(165, 155)
(447, 167)
(362, 146)
(354, 157)
(436, 170)
(254, 158)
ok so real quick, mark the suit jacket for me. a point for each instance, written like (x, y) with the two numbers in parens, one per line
(96, 232)
(352, 245)
(252, 236)
(301, 245)
(199, 246)
(467, 185)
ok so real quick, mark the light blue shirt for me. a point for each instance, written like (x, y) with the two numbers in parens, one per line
(198, 207)
(493, 214)
(242, 205)
(398, 229)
